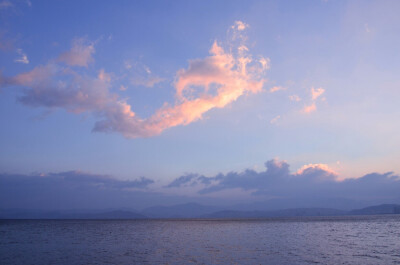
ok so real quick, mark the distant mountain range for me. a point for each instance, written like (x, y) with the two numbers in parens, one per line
(194, 210)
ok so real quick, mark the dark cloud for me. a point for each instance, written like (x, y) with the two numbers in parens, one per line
(185, 180)
(71, 189)
(103, 181)
(312, 181)
(313, 185)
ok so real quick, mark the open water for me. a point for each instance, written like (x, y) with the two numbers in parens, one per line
(318, 240)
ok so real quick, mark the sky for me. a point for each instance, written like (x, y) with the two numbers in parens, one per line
(139, 103)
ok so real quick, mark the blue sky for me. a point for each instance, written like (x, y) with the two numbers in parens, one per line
(160, 89)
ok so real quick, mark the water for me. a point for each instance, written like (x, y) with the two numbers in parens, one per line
(333, 240)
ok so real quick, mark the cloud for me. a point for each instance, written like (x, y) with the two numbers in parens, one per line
(294, 98)
(103, 181)
(318, 171)
(315, 94)
(73, 190)
(80, 53)
(141, 75)
(310, 108)
(146, 81)
(185, 180)
(23, 58)
(275, 119)
(317, 181)
(52, 86)
(276, 88)
(240, 26)
(208, 83)
(312, 185)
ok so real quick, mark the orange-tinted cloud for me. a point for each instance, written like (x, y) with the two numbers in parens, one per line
(310, 108)
(211, 82)
(323, 171)
(231, 76)
(276, 88)
(315, 94)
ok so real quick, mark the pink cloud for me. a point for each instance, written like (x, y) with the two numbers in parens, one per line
(316, 93)
(276, 88)
(229, 74)
(294, 98)
(239, 25)
(275, 119)
(79, 55)
(53, 86)
(211, 82)
(322, 170)
(310, 108)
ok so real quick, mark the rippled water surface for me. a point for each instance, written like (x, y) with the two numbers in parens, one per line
(333, 240)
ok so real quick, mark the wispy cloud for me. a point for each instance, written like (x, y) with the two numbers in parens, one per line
(276, 88)
(140, 74)
(294, 98)
(53, 86)
(80, 53)
(239, 26)
(23, 58)
(185, 180)
(146, 81)
(275, 119)
(211, 82)
(315, 94)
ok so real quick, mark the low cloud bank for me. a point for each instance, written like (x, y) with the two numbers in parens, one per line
(313, 185)
(312, 180)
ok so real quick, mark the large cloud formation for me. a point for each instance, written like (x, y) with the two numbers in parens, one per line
(313, 181)
(313, 185)
(211, 82)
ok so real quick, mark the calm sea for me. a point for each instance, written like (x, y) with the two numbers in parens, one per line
(333, 240)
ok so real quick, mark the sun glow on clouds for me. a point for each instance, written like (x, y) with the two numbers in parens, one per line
(232, 73)
(327, 171)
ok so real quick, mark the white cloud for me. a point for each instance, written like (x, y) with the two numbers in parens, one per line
(23, 58)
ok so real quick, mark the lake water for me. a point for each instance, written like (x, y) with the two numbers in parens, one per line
(329, 240)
